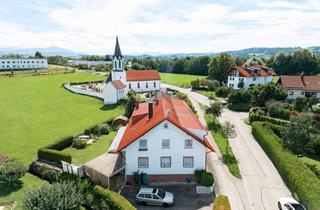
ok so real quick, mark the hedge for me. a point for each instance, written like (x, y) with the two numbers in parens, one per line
(253, 116)
(221, 203)
(298, 177)
(61, 144)
(114, 200)
(44, 171)
(54, 155)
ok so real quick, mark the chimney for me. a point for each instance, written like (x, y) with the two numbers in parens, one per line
(150, 109)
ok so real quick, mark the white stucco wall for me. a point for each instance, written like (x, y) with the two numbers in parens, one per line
(155, 151)
(293, 94)
(110, 94)
(119, 75)
(84, 92)
(233, 81)
(13, 64)
(143, 88)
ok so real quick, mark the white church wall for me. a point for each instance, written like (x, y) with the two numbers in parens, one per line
(84, 92)
(144, 86)
(110, 94)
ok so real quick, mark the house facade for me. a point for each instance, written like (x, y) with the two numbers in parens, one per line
(163, 139)
(23, 63)
(137, 80)
(246, 76)
(301, 86)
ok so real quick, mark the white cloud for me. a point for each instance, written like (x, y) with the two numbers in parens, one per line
(166, 26)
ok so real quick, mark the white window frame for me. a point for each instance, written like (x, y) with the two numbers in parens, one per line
(165, 125)
(143, 147)
(290, 92)
(165, 162)
(185, 158)
(165, 144)
(188, 143)
(143, 165)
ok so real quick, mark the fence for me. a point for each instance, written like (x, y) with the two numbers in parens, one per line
(83, 92)
(72, 169)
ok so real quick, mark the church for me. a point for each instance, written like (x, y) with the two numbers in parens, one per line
(120, 81)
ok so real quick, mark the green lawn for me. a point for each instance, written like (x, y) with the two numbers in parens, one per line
(16, 193)
(179, 79)
(37, 110)
(80, 156)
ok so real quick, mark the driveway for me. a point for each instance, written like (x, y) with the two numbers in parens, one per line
(185, 196)
(261, 185)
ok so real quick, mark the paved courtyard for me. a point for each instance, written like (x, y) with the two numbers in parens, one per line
(185, 196)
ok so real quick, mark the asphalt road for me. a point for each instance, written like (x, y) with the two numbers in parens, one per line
(261, 185)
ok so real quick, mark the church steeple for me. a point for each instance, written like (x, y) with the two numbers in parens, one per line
(117, 50)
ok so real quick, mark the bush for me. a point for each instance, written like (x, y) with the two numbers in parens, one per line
(221, 203)
(112, 200)
(61, 144)
(240, 107)
(54, 155)
(207, 179)
(254, 116)
(298, 177)
(11, 171)
(275, 110)
(223, 91)
(57, 196)
(79, 144)
(104, 129)
(240, 96)
(198, 174)
(44, 171)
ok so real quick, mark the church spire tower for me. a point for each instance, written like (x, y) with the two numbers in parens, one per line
(118, 72)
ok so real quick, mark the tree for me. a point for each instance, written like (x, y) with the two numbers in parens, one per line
(301, 104)
(100, 67)
(62, 196)
(220, 65)
(214, 110)
(38, 55)
(11, 171)
(131, 103)
(228, 131)
(298, 135)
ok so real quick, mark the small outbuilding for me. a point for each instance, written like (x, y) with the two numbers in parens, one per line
(120, 120)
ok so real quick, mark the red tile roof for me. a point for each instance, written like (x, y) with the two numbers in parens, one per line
(2, 159)
(142, 75)
(117, 84)
(174, 110)
(306, 83)
(251, 71)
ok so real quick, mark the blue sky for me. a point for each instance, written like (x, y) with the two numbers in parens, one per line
(159, 26)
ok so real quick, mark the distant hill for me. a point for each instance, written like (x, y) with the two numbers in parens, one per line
(258, 51)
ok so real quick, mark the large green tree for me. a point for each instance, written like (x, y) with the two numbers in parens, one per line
(11, 171)
(131, 103)
(219, 65)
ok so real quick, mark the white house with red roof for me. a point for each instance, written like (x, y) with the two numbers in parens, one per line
(246, 76)
(163, 139)
(138, 80)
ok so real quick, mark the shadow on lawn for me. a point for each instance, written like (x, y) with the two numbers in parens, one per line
(7, 189)
(108, 107)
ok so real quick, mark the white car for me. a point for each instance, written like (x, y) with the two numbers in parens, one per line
(154, 196)
(289, 204)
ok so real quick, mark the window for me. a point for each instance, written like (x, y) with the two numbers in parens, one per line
(302, 93)
(165, 162)
(254, 79)
(231, 85)
(129, 85)
(143, 145)
(165, 143)
(143, 162)
(187, 162)
(146, 84)
(148, 195)
(154, 84)
(155, 197)
(141, 195)
(241, 79)
(138, 85)
(188, 143)
(290, 93)
(165, 125)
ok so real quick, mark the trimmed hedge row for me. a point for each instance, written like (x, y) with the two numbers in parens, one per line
(221, 203)
(61, 144)
(54, 155)
(44, 172)
(253, 116)
(298, 177)
(114, 200)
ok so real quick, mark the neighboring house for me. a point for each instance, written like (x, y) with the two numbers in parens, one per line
(301, 86)
(246, 76)
(23, 63)
(138, 80)
(163, 139)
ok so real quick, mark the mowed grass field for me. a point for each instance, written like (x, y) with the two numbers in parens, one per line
(179, 79)
(35, 111)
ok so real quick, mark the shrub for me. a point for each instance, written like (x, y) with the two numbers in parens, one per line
(198, 174)
(44, 172)
(112, 200)
(104, 129)
(240, 96)
(275, 110)
(61, 144)
(298, 177)
(223, 91)
(300, 104)
(240, 107)
(54, 155)
(207, 179)
(57, 196)
(11, 171)
(79, 144)
(221, 203)
(254, 116)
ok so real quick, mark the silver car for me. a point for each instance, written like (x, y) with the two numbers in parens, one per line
(154, 196)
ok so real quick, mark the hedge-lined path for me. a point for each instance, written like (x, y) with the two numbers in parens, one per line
(261, 180)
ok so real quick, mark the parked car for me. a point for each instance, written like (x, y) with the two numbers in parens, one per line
(224, 101)
(289, 204)
(154, 196)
